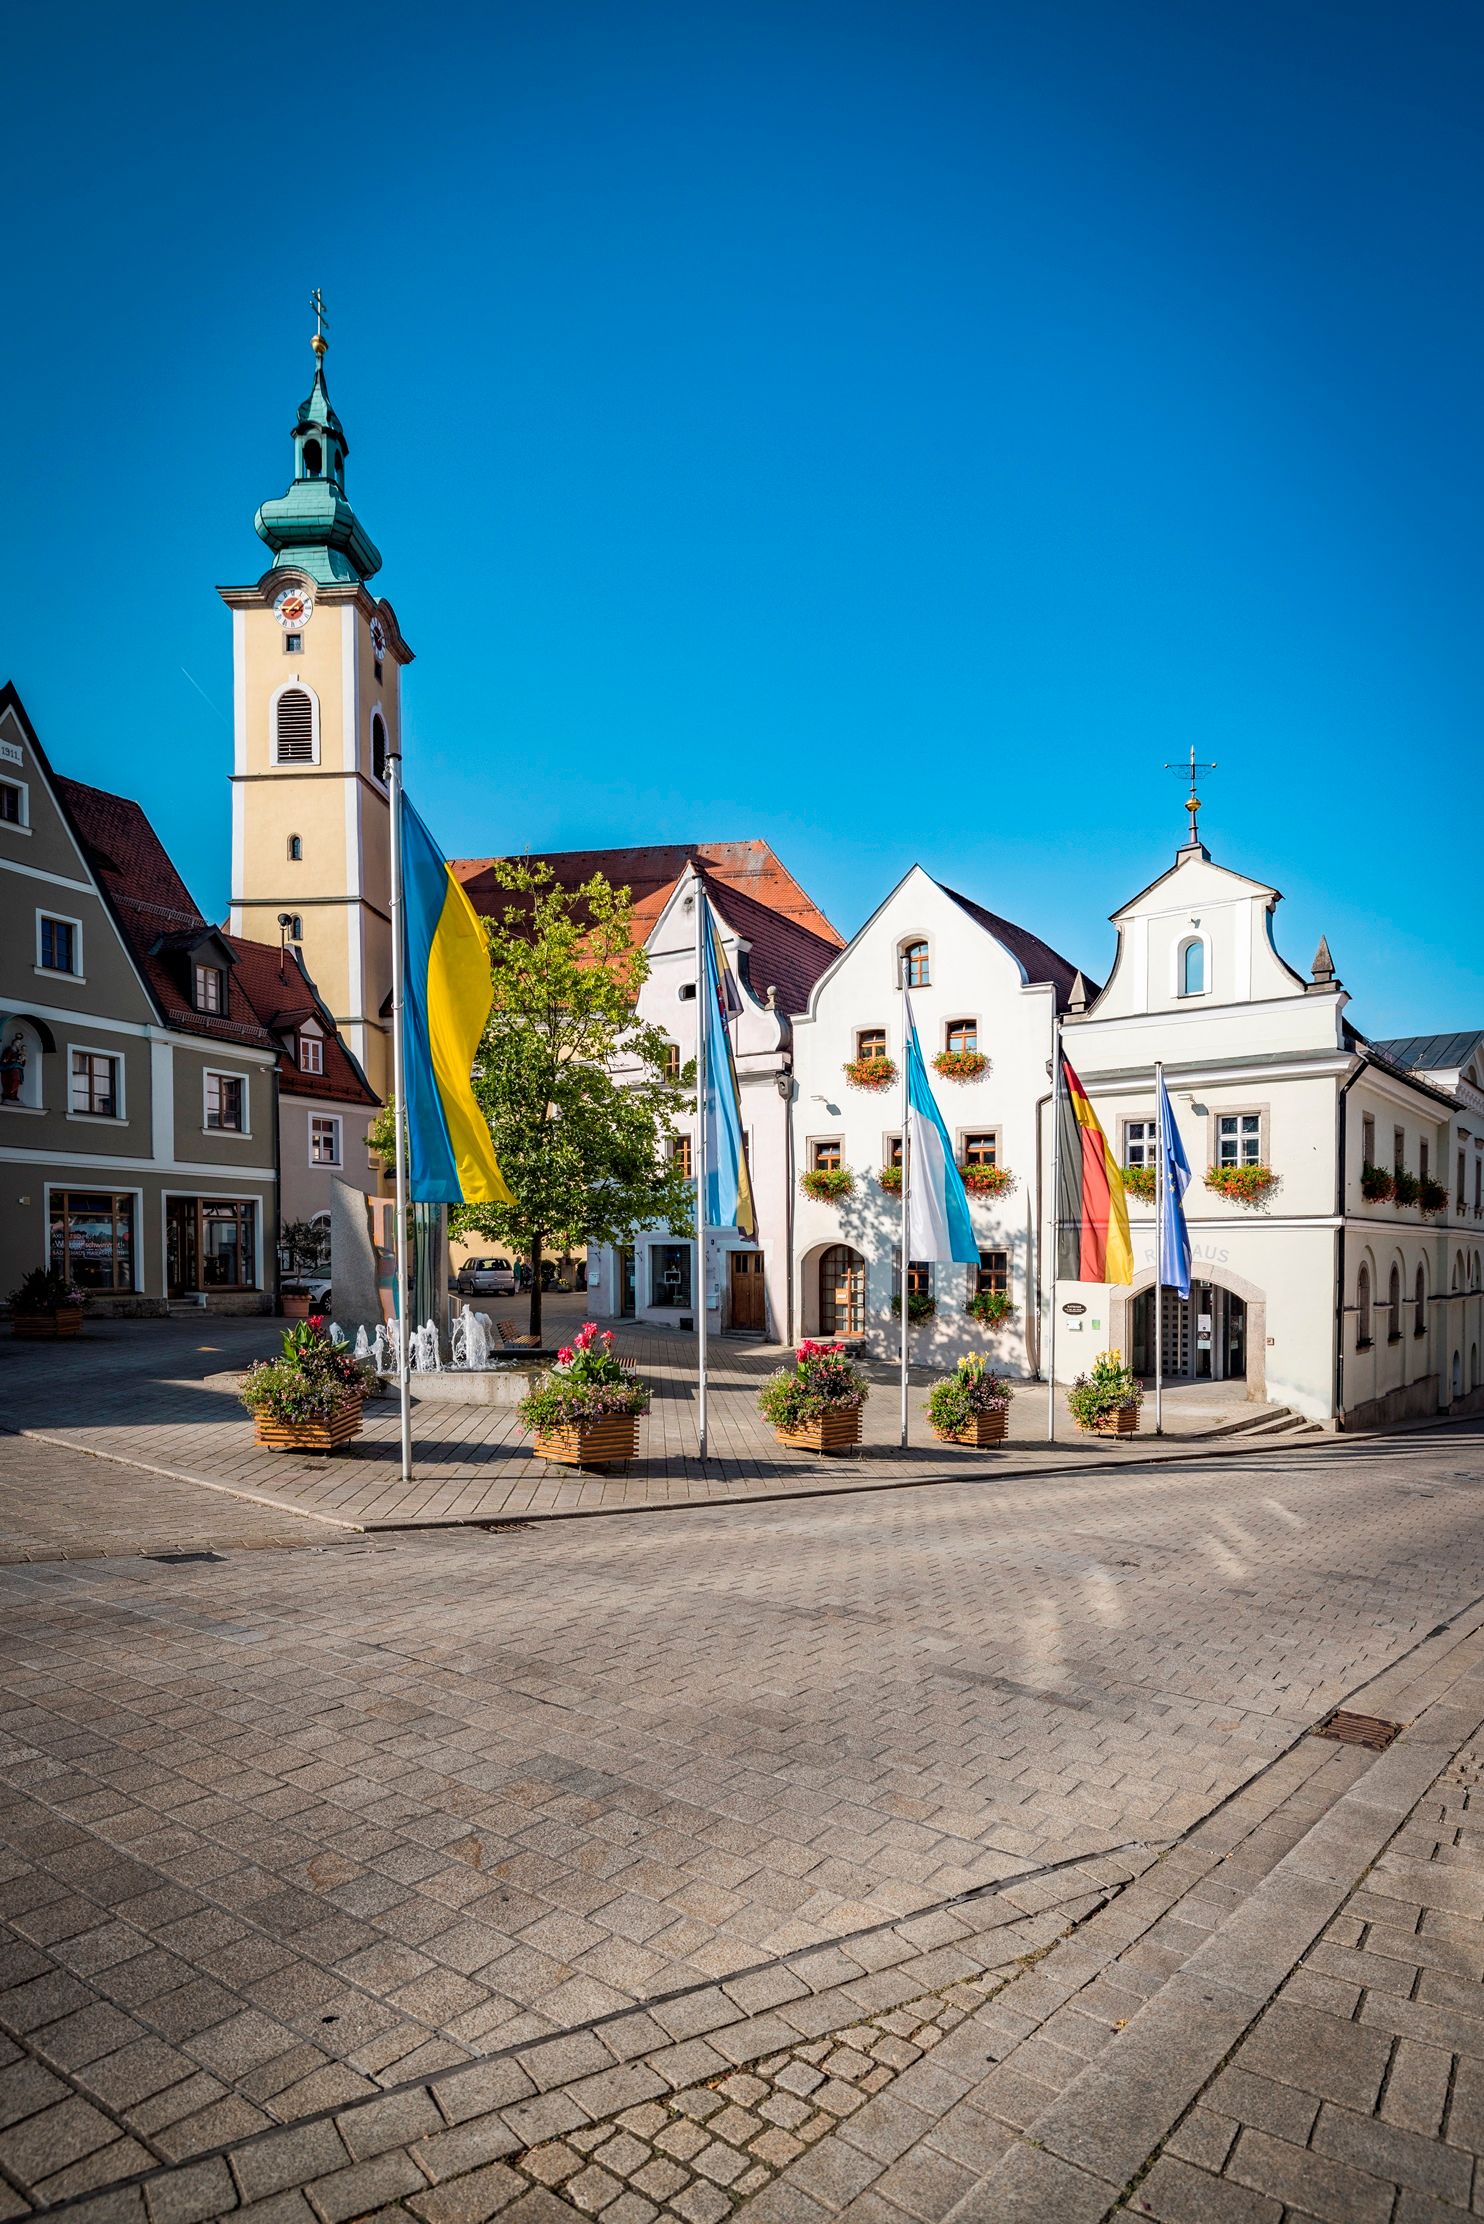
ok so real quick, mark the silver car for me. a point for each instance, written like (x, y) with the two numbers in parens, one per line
(485, 1278)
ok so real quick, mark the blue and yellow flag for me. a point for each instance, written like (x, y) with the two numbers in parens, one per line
(445, 1002)
(728, 1199)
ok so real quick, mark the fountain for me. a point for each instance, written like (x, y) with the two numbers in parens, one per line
(470, 1341)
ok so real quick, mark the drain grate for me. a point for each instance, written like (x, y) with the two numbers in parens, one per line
(1359, 1729)
(183, 1559)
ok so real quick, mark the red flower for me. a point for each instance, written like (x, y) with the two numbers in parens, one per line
(564, 1356)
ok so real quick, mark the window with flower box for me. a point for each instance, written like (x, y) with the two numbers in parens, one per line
(1239, 1139)
(981, 1150)
(992, 1276)
(870, 1042)
(1140, 1141)
(961, 1036)
(825, 1157)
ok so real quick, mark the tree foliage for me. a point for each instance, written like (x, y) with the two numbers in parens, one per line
(573, 1084)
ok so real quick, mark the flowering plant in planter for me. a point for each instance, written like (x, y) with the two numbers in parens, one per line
(955, 1401)
(830, 1185)
(987, 1181)
(587, 1384)
(921, 1306)
(870, 1073)
(824, 1380)
(1434, 1197)
(1142, 1182)
(1111, 1389)
(992, 1308)
(1245, 1185)
(1376, 1183)
(961, 1065)
(1406, 1189)
(890, 1178)
(45, 1291)
(310, 1380)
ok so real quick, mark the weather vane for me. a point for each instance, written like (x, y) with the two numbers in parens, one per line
(319, 343)
(1192, 801)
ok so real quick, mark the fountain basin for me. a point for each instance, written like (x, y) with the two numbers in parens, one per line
(503, 1385)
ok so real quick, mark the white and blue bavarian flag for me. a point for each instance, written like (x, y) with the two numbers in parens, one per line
(1174, 1172)
(938, 1224)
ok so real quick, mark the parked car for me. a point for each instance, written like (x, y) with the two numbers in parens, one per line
(312, 1292)
(485, 1278)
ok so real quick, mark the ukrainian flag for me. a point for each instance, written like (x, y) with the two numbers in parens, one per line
(445, 1003)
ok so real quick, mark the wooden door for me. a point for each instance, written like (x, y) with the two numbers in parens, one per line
(842, 1292)
(748, 1300)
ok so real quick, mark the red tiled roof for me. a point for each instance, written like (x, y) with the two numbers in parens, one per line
(792, 940)
(161, 925)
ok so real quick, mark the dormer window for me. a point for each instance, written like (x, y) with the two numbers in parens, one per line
(210, 989)
(311, 1054)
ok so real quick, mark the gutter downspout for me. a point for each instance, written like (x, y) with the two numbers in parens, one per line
(277, 1188)
(785, 1086)
(1039, 1236)
(1362, 1061)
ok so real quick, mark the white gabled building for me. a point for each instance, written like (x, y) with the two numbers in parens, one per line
(979, 985)
(1339, 1294)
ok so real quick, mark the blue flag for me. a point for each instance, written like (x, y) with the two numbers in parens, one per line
(1174, 1171)
(728, 1199)
(938, 1223)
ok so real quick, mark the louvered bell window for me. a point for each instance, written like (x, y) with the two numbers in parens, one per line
(293, 736)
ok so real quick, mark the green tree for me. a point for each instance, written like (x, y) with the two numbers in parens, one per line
(573, 1084)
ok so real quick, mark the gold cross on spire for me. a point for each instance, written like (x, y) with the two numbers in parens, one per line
(1192, 801)
(319, 343)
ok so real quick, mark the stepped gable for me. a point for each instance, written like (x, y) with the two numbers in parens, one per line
(268, 992)
(792, 940)
(1037, 960)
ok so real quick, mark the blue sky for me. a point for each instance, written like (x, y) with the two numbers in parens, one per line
(890, 429)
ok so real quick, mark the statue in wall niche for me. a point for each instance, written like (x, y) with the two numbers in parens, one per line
(13, 1069)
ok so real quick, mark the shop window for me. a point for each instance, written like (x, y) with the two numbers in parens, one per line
(92, 1238)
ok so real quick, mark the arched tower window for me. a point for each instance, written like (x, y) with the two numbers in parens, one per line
(378, 748)
(295, 928)
(314, 458)
(295, 728)
(1191, 966)
(296, 849)
(1363, 1307)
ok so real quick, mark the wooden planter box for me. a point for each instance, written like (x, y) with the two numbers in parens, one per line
(832, 1432)
(983, 1428)
(65, 1321)
(312, 1436)
(593, 1444)
(1123, 1421)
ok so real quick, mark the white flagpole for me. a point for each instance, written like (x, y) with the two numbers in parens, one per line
(1055, 1227)
(703, 1017)
(399, 1099)
(906, 1181)
(1161, 1177)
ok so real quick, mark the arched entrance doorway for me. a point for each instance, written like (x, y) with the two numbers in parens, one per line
(1217, 1334)
(842, 1292)
(1204, 1336)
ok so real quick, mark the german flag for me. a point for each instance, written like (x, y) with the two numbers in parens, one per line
(1092, 1242)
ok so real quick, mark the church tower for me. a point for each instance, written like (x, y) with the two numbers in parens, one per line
(317, 703)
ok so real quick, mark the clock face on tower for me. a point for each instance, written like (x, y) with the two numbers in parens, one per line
(294, 608)
(378, 639)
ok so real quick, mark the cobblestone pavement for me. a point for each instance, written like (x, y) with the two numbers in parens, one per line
(454, 1869)
(162, 1396)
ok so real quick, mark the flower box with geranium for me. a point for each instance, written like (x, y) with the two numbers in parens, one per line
(585, 1411)
(987, 1181)
(890, 1178)
(1434, 1195)
(1141, 1182)
(827, 1185)
(815, 1405)
(992, 1308)
(1107, 1400)
(961, 1065)
(1244, 1185)
(1406, 1189)
(308, 1399)
(1376, 1183)
(46, 1306)
(970, 1406)
(870, 1073)
(921, 1306)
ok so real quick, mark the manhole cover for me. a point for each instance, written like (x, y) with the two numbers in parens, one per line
(1359, 1729)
